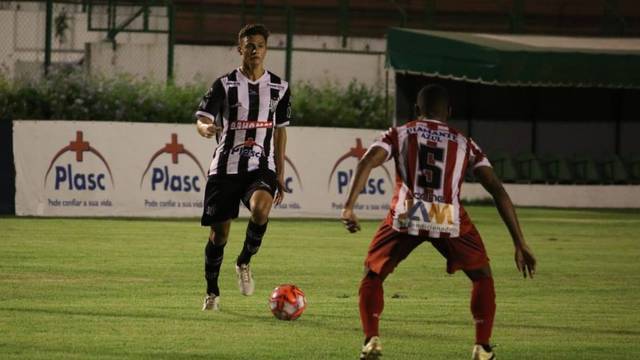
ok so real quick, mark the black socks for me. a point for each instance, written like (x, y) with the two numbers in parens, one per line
(252, 242)
(213, 255)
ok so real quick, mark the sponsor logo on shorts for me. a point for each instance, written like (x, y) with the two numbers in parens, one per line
(263, 185)
(427, 216)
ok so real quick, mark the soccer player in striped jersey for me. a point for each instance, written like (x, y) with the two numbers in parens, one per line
(431, 159)
(247, 110)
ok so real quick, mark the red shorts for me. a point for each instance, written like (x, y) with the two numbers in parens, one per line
(389, 247)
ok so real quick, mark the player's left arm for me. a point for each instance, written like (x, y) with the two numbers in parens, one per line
(374, 157)
(525, 261)
(280, 135)
(282, 117)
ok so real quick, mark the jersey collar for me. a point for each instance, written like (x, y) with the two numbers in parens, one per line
(424, 119)
(251, 81)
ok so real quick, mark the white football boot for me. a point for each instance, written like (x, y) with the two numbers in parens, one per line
(479, 353)
(211, 302)
(372, 350)
(245, 279)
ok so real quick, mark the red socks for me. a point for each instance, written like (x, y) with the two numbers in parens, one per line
(483, 308)
(371, 303)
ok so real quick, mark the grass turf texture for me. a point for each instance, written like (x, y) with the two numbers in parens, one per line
(114, 289)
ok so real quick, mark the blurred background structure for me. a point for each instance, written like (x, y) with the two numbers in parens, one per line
(156, 34)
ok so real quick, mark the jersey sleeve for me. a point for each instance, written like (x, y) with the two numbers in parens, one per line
(388, 140)
(477, 158)
(283, 111)
(212, 101)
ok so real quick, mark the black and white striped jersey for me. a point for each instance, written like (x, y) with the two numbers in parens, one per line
(248, 111)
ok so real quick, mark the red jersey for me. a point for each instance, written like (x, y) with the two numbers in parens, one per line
(431, 160)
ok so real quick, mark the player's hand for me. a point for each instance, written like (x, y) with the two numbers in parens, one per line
(282, 188)
(525, 261)
(208, 130)
(349, 220)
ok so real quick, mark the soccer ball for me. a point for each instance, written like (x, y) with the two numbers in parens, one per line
(287, 302)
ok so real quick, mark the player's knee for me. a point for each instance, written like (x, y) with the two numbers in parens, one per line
(219, 235)
(218, 239)
(370, 274)
(260, 213)
(477, 274)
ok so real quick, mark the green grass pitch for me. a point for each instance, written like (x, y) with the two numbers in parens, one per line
(132, 289)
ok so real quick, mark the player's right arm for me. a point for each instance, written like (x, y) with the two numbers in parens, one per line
(210, 106)
(525, 261)
(206, 127)
(375, 157)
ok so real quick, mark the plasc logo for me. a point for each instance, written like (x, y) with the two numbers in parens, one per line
(165, 178)
(373, 185)
(69, 178)
(288, 181)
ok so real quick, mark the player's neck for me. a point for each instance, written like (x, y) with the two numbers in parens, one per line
(252, 73)
(433, 117)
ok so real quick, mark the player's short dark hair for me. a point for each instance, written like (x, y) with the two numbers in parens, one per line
(253, 29)
(432, 98)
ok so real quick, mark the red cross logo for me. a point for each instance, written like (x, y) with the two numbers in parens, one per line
(357, 152)
(174, 148)
(78, 146)
(249, 142)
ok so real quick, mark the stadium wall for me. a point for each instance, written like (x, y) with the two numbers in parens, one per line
(315, 59)
(82, 168)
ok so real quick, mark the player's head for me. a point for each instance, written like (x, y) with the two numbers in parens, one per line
(252, 44)
(433, 102)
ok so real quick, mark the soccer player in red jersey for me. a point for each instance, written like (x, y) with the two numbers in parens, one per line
(431, 159)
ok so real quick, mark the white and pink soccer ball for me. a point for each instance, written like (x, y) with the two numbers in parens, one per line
(287, 302)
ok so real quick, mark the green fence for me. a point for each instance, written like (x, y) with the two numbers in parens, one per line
(39, 36)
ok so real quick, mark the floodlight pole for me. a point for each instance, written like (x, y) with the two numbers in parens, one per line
(171, 39)
(47, 37)
(429, 13)
(517, 16)
(259, 11)
(289, 49)
(344, 21)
